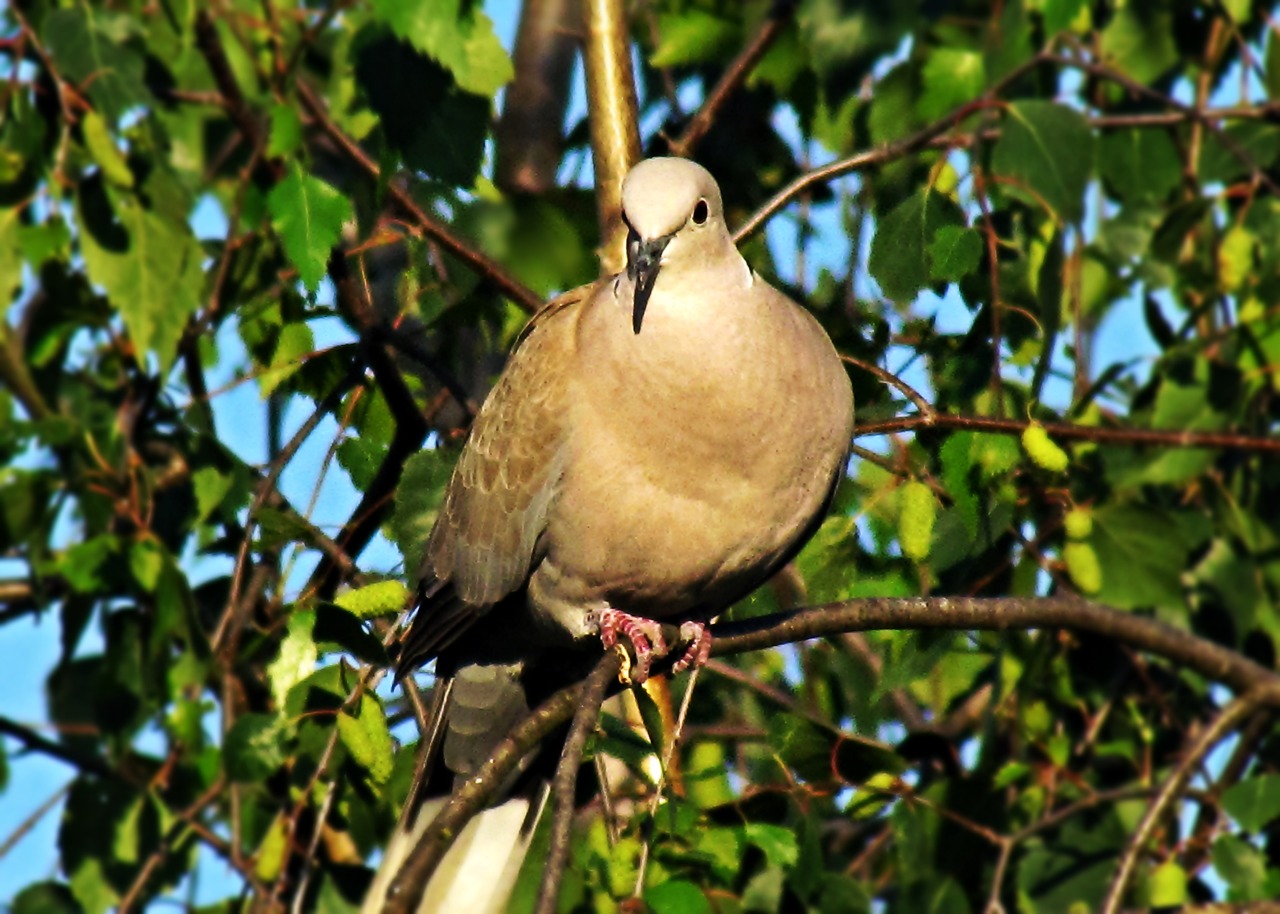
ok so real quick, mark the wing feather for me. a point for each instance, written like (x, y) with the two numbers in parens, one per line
(495, 507)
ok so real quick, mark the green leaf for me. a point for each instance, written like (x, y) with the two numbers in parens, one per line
(293, 344)
(692, 36)
(102, 146)
(297, 658)
(91, 51)
(900, 259)
(308, 215)
(1139, 165)
(211, 489)
(952, 77)
(46, 898)
(1232, 155)
(778, 843)
(1045, 151)
(1060, 15)
(1242, 866)
(676, 897)
(92, 888)
(1010, 773)
(146, 561)
(338, 630)
(706, 778)
(456, 35)
(368, 739)
(1143, 553)
(954, 253)
(1139, 41)
(272, 851)
(149, 264)
(286, 131)
(378, 599)
(1253, 802)
(1237, 581)
(254, 748)
(435, 127)
(1271, 68)
(418, 499)
(82, 564)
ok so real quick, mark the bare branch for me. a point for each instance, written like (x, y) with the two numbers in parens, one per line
(733, 78)
(563, 788)
(1173, 786)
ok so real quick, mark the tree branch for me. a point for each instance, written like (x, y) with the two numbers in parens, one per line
(490, 269)
(594, 689)
(407, 887)
(1069, 432)
(779, 16)
(995, 614)
(1223, 724)
(611, 103)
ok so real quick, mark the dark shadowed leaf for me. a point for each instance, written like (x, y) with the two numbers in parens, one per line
(1046, 152)
(900, 251)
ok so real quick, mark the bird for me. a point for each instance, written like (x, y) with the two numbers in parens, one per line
(660, 443)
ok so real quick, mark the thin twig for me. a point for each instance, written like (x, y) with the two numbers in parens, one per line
(887, 153)
(26, 825)
(734, 76)
(565, 784)
(1224, 723)
(1069, 432)
(407, 887)
(668, 753)
(490, 269)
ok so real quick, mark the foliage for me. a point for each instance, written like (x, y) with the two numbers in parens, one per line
(1078, 264)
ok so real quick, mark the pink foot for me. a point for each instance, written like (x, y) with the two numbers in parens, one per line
(645, 636)
(696, 654)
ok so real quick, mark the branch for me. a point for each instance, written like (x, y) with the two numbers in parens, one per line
(996, 614)
(529, 137)
(1102, 71)
(886, 153)
(411, 428)
(491, 270)
(919, 613)
(564, 786)
(476, 793)
(931, 136)
(611, 103)
(1225, 722)
(16, 378)
(1067, 431)
(34, 742)
(737, 73)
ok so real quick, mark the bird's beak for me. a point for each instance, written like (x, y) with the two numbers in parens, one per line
(644, 259)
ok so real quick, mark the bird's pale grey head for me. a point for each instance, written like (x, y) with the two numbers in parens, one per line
(670, 206)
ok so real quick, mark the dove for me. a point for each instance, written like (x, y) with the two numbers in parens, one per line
(659, 444)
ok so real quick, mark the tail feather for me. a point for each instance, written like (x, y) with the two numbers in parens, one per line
(478, 873)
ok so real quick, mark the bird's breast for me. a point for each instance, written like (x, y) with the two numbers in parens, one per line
(698, 456)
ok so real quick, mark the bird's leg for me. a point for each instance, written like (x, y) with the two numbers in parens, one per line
(698, 637)
(645, 636)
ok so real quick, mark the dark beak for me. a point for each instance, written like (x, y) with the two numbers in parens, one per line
(644, 259)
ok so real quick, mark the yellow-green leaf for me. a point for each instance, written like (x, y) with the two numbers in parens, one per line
(377, 599)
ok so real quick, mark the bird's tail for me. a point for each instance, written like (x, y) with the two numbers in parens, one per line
(471, 711)
(478, 873)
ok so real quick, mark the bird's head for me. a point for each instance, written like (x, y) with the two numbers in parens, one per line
(673, 214)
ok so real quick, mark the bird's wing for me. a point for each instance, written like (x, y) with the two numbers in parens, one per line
(482, 546)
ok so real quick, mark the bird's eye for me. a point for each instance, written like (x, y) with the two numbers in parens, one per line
(700, 212)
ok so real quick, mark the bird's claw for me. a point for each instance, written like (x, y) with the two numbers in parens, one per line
(698, 638)
(647, 642)
(645, 636)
